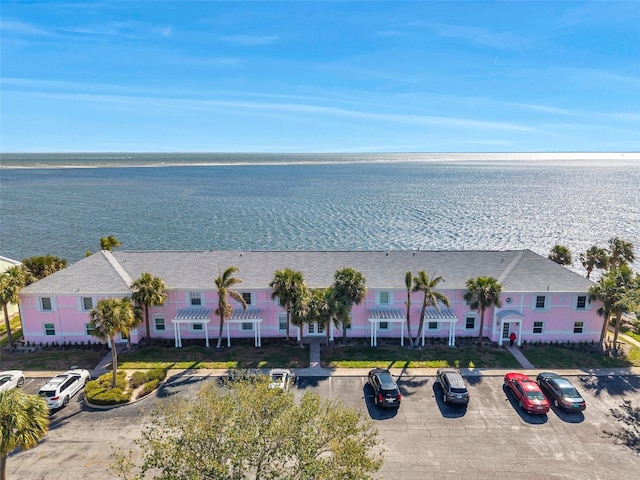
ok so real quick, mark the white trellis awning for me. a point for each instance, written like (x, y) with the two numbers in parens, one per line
(250, 315)
(441, 315)
(387, 315)
(191, 316)
(445, 315)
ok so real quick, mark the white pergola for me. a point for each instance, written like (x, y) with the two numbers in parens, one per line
(446, 315)
(250, 315)
(190, 316)
(385, 314)
(510, 316)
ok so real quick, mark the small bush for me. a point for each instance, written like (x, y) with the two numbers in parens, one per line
(141, 377)
(99, 391)
(149, 387)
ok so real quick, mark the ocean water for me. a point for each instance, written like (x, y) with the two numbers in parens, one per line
(62, 204)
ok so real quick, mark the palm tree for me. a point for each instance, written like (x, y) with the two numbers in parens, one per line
(148, 291)
(408, 283)
(483, 293)
(24, 420)
(109, 243)
(612, 290)
(605, 291)
(11, 282)
(349, 289)
(621, 252)
(422, 283)
(300, 310)
(42, 266)
(287, 286)
(561, 255)
(595, 257)
(324, 307)
(224, 282)
(111, 317)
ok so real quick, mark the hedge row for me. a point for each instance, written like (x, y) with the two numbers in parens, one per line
(99, 391)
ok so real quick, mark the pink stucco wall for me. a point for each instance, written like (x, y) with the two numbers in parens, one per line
(558, 317)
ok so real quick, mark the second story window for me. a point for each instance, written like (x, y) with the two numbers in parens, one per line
(195, 299)
(87, 303)
(246, 296)
(581, 302)
(45, 303)
(540, 301)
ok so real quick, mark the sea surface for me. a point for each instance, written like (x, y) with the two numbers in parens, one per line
(62, 204)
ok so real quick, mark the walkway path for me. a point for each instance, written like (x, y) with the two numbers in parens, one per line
(522, 360)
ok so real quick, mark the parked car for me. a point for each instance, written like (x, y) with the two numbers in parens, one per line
(561, 392)
(454, 389)
(11, 379)
(527, 392)
(385, 388)
(61, 388)
(281, 378)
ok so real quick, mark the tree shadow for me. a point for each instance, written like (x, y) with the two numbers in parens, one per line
(612, 384)
(629, 433)
(447, 410)
(409, 385)
(530, 418)
(375, 412)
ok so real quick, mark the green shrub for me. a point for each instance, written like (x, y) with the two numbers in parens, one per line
(138, 378)
(99, 391)
(141, 377)
(149, 387)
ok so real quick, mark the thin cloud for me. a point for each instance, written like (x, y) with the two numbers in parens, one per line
(22, 28)
(250, 40)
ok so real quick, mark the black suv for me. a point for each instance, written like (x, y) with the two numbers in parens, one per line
(453, 387)
(385, 389)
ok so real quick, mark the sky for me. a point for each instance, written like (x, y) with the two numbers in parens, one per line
(351, 77)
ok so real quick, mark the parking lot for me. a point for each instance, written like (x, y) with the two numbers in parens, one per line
(424, 438)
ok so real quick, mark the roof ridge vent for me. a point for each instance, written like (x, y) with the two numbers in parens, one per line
(117, 267)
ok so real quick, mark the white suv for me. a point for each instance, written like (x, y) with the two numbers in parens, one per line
(59, 390)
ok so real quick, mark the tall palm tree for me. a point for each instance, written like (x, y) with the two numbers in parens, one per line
(109, 243)
(324, 308)
(300, 310)
(612, 290)
(111, 317)
(408, 283)
(605, 291)
(349, 289)
(483, 293)
(432, 298)
(595, 257)
(148, 291)
(561, 255)
(224, 284)
(24, 420)
(11, 282)
(287, 286)
(621, 252)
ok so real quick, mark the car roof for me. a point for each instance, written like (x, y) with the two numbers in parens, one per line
(281, 371)
(379, 371)
(520, 377)
(11, 372)
(455, 379)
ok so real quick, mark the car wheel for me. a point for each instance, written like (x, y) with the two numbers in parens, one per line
(65, 402)
(20, 382)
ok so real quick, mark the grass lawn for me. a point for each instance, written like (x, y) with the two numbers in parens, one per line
(628, 331)
(431, 356)
(51, 360)
(242, 354)
(549, 357)
(14, 322)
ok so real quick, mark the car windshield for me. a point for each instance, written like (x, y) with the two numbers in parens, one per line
(570, 392)
(277, 377)
(535, 396)
(458, 390)
(47, 393)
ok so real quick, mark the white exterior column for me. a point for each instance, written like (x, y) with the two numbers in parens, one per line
(519, 333)
(402, 334)
(500, 333)
(371, 323)
(452, 334)
(206, 333)
(228, 336)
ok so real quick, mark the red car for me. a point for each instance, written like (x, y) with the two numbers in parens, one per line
(528, 393)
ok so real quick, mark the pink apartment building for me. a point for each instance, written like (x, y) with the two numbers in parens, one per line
(541, 300)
